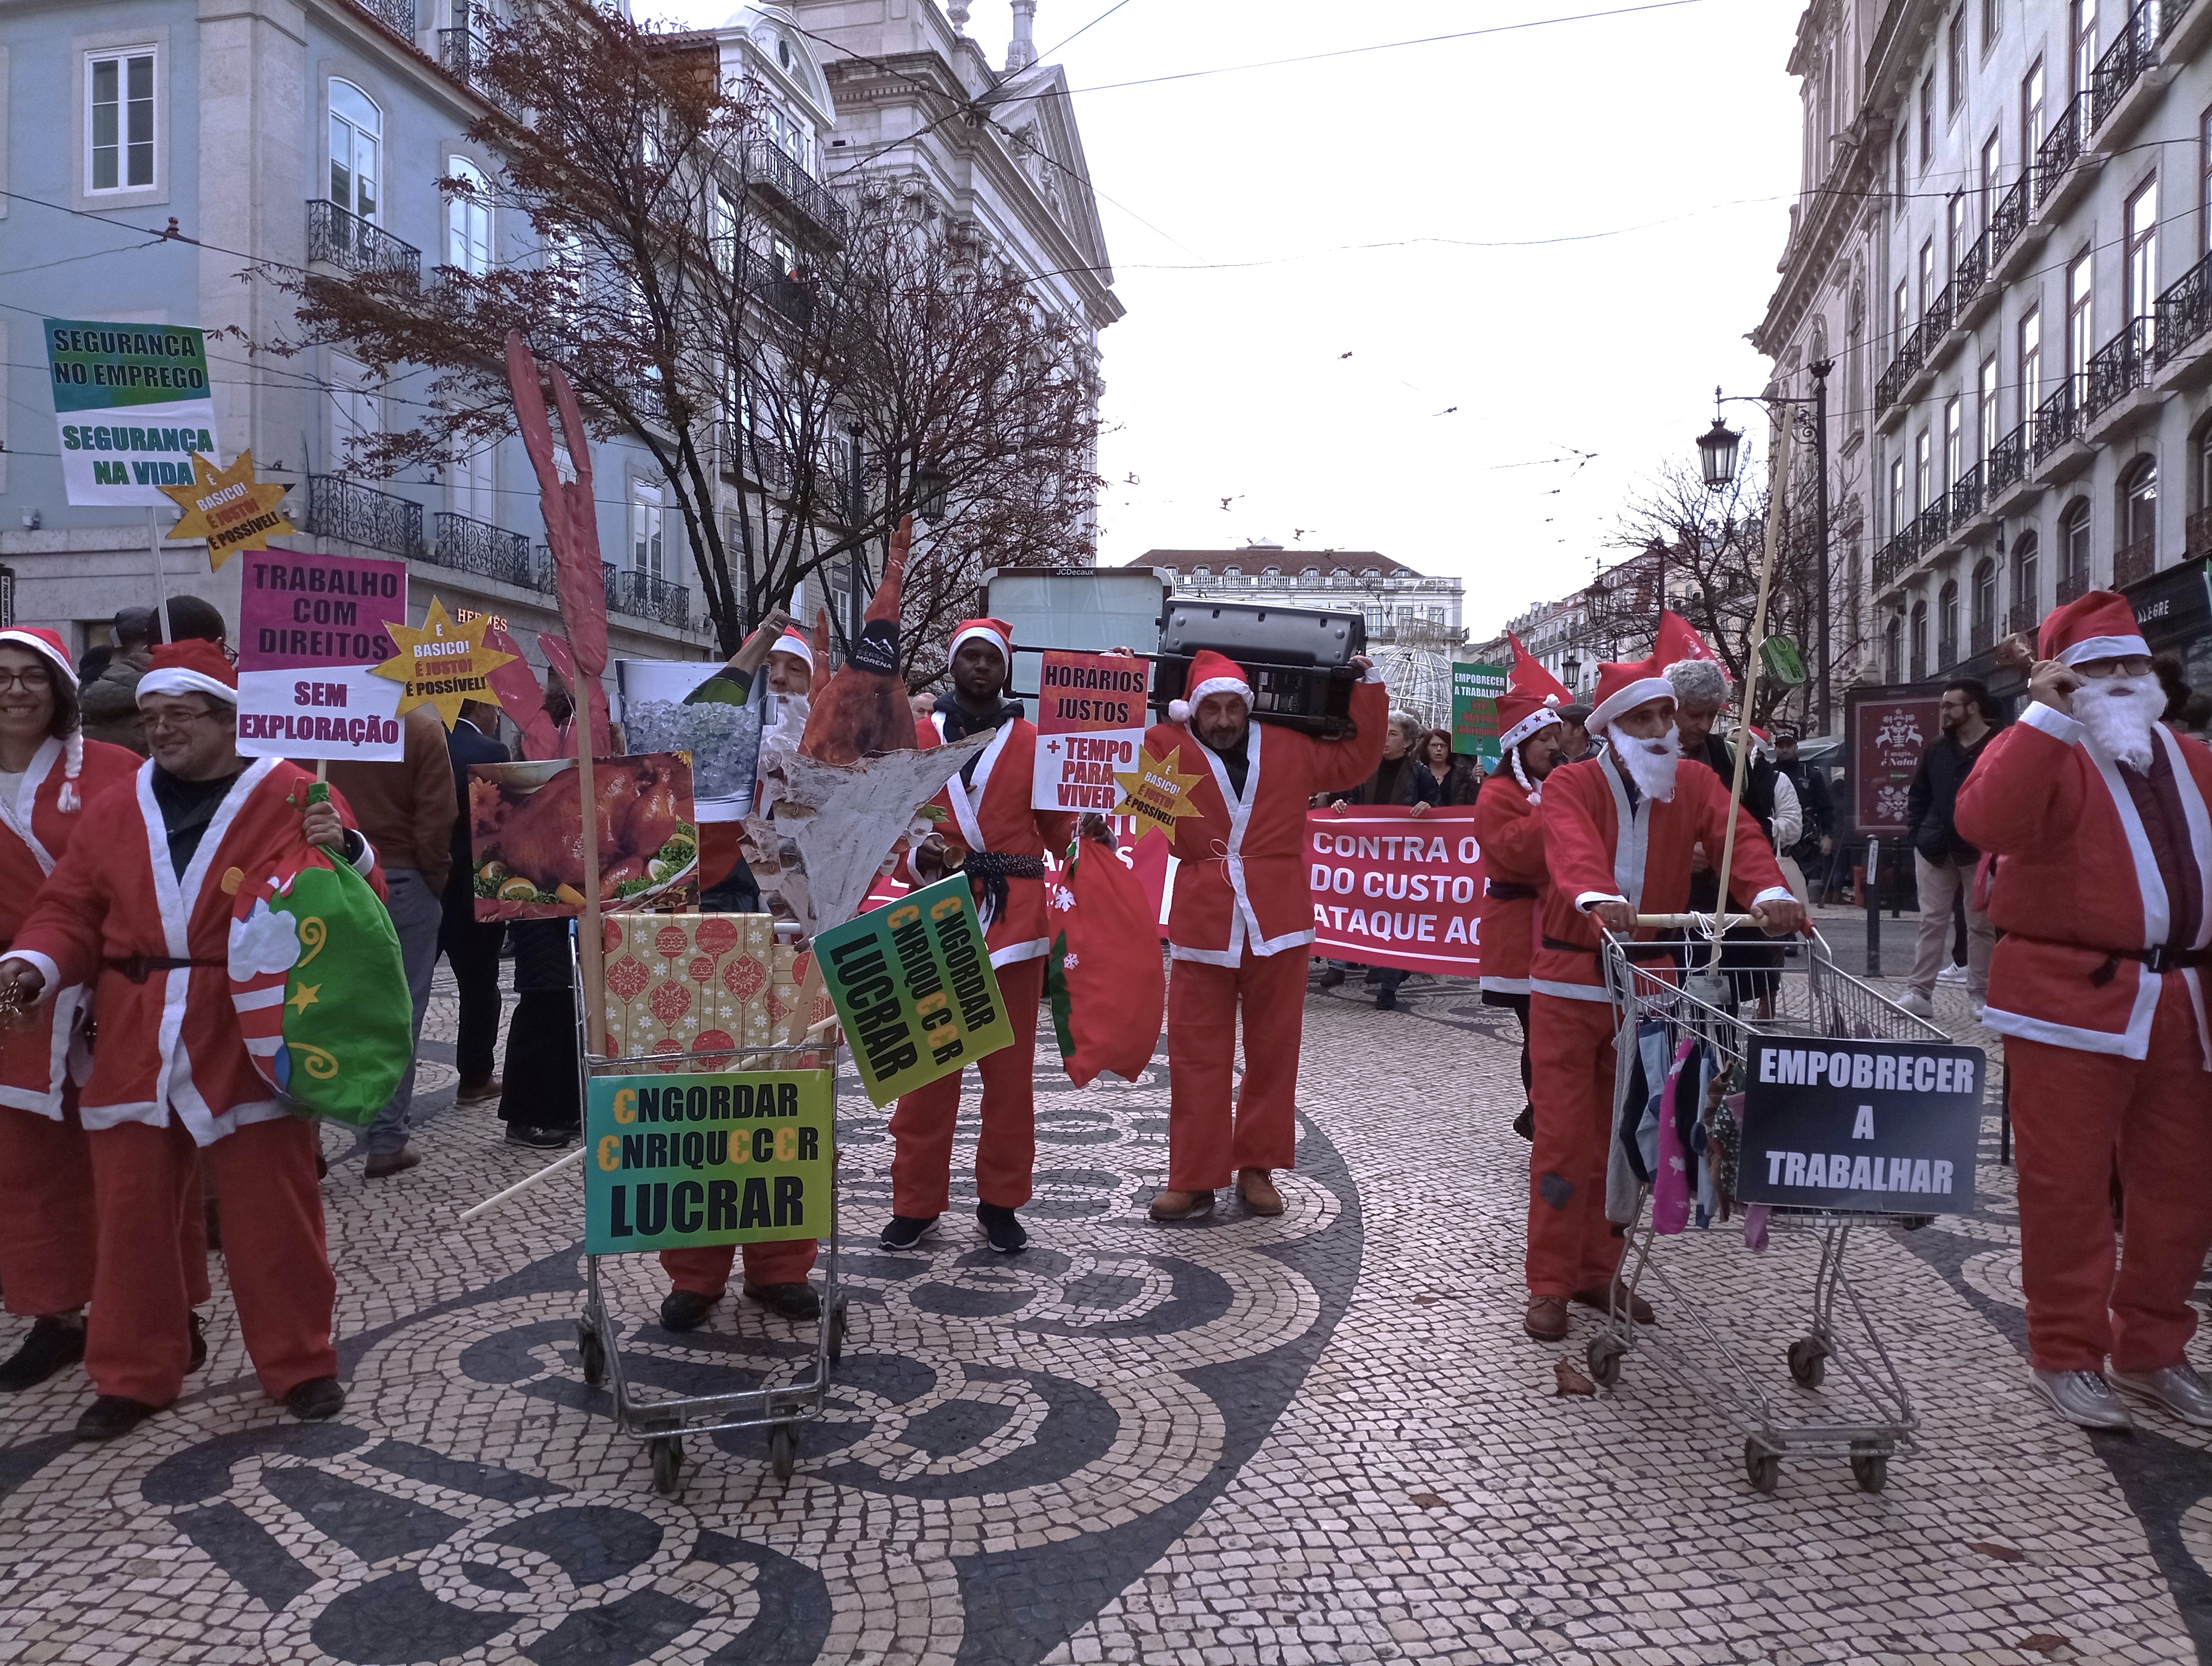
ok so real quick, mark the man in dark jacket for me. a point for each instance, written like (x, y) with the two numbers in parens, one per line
(471, 947)
(1816, 846)
(1942, 862)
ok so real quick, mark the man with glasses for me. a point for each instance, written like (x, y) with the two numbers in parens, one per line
(144, 914)
(2097, 814)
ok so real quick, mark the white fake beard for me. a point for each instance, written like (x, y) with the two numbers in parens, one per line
(1650, 764)
(2120, 714)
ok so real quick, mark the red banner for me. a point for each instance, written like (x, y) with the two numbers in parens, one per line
(1394, 888)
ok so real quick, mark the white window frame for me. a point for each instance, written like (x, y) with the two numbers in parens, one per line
(459, 223)
(648, 527)
(121, 45)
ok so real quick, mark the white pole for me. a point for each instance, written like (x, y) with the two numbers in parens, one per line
(522, 1186)
(160, 579)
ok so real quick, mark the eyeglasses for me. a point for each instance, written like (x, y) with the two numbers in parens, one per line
(2127, 665)
(174, 717)
(29, 681)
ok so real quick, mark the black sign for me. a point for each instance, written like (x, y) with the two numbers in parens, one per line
(1892, 1127)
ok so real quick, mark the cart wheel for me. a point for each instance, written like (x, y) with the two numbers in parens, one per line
(1808, 1361)
(840, 1322)
(1761, 1467)
(667, 1463)
(783, 1450)
(1604, 1355)
(1870, 1470)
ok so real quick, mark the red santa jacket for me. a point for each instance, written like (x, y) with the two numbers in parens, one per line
(36, 1061)
(1509, 825)
(994, 814)
(173, 1039)
(1242, 880)
(2075, 880)
(1598, 851)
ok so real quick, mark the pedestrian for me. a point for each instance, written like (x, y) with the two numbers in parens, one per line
(110, 701)
(1575, 740)
(173, 1085)
(1619, 832)
(408, 810)
(992, 835)
(924, 706)
(470, 946)
(1399, 778)
(48, 772)
(1816, 846)
(1942, 860)
(1457, 779)
(1241, 925)
(1701, 688)
(2096, 811)
(726, 885)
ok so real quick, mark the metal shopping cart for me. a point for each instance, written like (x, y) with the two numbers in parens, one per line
(1863, 1410)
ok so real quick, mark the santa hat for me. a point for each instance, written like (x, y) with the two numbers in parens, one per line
(1761, 742)
(191, 666)
(997, 632)
(1625, 684)
(2100, 625)
(1210, 673)
(792, 643)
(48, 645)
(1532, 699)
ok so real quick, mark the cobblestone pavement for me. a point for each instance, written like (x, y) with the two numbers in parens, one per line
(1318, 1438)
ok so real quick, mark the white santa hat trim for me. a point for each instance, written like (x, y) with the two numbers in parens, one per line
(176, 679)
(1622, 701)
(790, 642)
(67, 798)
(1543, 718)
(2103, 648)
(1179, 711)
(1005, 648)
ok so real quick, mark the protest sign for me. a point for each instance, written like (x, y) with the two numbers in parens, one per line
(1890, 1127)
(132, 403)
(914, 988)
(1394, 888)
(1156, 790)
(1090, 722)
(310, 630)
(1890, 730)
(526, 836)
(1475, 689)
(676, 1162)
(227, 509)
(442, 663)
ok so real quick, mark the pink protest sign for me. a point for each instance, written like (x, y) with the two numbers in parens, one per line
(310, 629)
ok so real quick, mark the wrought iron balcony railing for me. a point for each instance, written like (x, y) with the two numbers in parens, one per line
(1945, 310)
(2184, 310)
(2008, 460)
(397, 16)
(2061, 147)
(2057, 420)
(2072, 587)
(1895, 560)
(769, 166)
(469, 545)
(2171, 14)
(345, 239)
(2119, 366)
(1972, 269)
(649, 596)
(1982, 636)
(2009, 220)
(1947, 653)
(1930, 525)
(340, 508)
(2024, 616)
(2134, 562)
(2134, 50)
(463, 53)
(2196, 533)
(1889, 386)
(1966, 496)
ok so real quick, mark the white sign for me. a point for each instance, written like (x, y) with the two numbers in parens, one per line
(131, 404)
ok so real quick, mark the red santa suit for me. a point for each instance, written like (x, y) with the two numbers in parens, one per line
(2103, 899)
(1241, 925)
(1605, 842)
(172, 1084)
(46, 1171)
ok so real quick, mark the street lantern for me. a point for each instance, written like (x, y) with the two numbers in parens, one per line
(929, 490)
(1717, 451)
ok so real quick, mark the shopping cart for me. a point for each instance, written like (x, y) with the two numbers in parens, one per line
(1864, 1411)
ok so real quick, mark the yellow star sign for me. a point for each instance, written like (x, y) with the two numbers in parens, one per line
(306, 997)
(442, 664)
(1156, 789)
(228, 508)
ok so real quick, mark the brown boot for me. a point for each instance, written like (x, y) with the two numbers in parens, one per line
(1182, 1206)
(1259, 1192)
(1546, 1318)
(1604, 1301)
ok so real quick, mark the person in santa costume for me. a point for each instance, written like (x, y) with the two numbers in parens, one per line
(1619, 832)
(1509, 832)
(2096, 814)
(991, 834)
(143, 915)
(48, 770)
(1241, 925)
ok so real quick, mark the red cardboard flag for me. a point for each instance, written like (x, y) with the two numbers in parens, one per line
(572, 526)
(1679, 639)
(864, 711)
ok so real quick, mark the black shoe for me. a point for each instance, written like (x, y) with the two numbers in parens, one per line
(199, 1344)
(796, 1300)
(316, 1399)
(112, 1415)
(1525, 1123)
(50, 1344)
(539, 1138)
(685, 1310)
(907, 1231)
(1007, 1234)
(1331, 977)
(1386, 999)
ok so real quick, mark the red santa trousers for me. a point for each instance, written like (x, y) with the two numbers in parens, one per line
(146, 1189)
(1571, 1245)
(707, 1272)
(922, 1121)
(2075, 1115)
(1205, 1147)
(45, 1213)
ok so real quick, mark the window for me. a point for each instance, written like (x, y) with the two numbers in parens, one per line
(1919, 641)
(2026, 609)
(356, 142)
(1900, 313)
(1954, 440)
(1992, 21)
(468, 220)
(1923, 470)
(2031, 365)
(1898, 517)
(645, 513)
(2074, 549)
(119, 152)
(2141, 269)
(1992, 176)
(2204, 184)
(355, 410)
(2139, 504)
(1892, 670)
(1986, 605)
(1955, 88)
(1954, 231)
(2031, 115)
(562, 253)
(1927, 123)
(1988, 418)
(1927, 275)
(474, 493)
(1904, 149)
(2082, 15)
(1946, 625)
(2080, 317)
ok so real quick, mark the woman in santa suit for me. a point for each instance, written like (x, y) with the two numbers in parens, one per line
(48, 770)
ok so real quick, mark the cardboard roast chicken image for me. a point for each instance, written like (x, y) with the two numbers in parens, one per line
(526, 836)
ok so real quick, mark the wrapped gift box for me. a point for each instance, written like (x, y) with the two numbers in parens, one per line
(683, 983)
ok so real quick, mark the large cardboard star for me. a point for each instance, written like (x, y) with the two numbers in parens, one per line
(229, 508)
(1156, 789)
(442, 664)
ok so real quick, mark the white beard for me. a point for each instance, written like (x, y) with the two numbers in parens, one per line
(1650, 764)
(2120, 714)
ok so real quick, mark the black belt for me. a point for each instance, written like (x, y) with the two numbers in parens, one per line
(1504, 890)
(2163, 958)
(990, 870)
(140, 967)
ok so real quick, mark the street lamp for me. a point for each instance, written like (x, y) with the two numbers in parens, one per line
(1717, 449)
(930, 484)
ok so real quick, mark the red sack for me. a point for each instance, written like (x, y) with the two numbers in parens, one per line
(1104, 978)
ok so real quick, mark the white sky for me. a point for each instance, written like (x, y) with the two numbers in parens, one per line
(1228, 201)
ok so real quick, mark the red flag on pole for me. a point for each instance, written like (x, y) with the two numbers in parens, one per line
(1679, 639)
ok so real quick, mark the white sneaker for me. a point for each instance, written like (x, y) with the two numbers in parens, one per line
(1977, 1008)
(1952, 975)
(1917, 1004)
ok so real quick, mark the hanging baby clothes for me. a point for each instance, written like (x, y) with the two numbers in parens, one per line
(1670, 1175)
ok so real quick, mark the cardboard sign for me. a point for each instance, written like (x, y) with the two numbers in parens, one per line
(678, 1162)
(227, 509)
(443, 663)
(310, 629)
(1889, 1127)
(1091, 723)
(1475, 689)
(914, 988)
(1394, 888)
(527, 836)
(1156, 790)
(132, 403)
(1890, 733)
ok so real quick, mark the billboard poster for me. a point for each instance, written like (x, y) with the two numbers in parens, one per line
(1475, 689)
(1394, 888)
(132, 403)
(1890, 731)
(1091, 723)
(311, 631)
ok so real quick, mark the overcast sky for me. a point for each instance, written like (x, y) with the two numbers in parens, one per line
(1295, 246)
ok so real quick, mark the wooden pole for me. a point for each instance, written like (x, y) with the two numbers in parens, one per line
(591, 944)
(521, 1186)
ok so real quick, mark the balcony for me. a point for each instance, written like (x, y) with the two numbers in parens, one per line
(1895, 560)
(1966, 497)
(1889, 386)
(2072, 587)
(2183, 311)
(2124, 62)
(462, 52)
(776, 173)
(1930, 526)
(647, 596)
(2024, 618)
(2008, 465)
(346, 240)
(1974, 268)
(2196, 533)
(469, 545)
(397, 16)
(2061, 147)
(339, 508)
(2134, 562)
(2118, 367)
(2057, 420)
(1982, 636)
(2008, 221)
